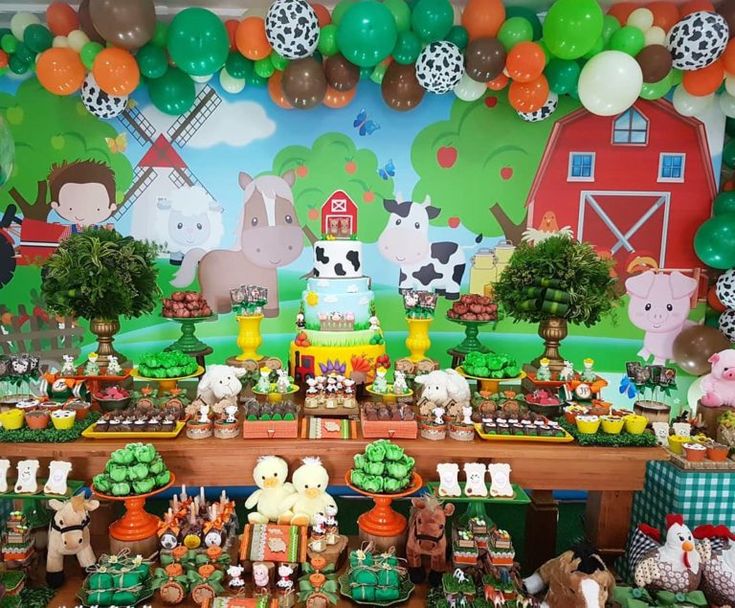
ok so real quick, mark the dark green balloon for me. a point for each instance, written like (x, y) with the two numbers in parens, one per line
(458, 35)
(17, 65)
(728, 154)
(529, 15)
(366, 72)
(253, 80)
(563, 75)
(238, 66)
(25, 54)
(714, 241)
(172, 93)
(37, 38)
(730, 126)
(407, 48)
(432, 19)
(724, 203)
(198, 41)
(152, 61)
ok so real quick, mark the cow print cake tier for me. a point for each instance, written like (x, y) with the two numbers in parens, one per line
(337, 259)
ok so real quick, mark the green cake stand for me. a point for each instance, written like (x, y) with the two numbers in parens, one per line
(188, 342)
(470, 343)
(477, 505)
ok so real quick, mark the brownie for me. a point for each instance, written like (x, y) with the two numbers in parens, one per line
(168, 425)
(154, 424)
(490, 428)
(102, 425)
(544, 430)
(531, 430)
(517, 429)
(113, 426)
(503, 429)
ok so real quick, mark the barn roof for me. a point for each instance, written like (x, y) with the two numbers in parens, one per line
(162, 154)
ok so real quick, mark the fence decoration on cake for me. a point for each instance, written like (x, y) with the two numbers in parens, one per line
(337, 321)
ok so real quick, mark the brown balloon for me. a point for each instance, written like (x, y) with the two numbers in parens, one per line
(695, 345)
(129, 24)
(484, 59)
(400, 87)
(341, 74)
(304, 83)
(727, 10)
(86, 25)
(655, 61)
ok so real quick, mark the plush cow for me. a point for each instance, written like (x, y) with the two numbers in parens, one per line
(424, 265)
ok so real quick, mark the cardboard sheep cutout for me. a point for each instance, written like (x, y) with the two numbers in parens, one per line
(448, 482)
(27, 471)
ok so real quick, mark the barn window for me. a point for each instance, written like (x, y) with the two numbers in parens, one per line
(581, 167)
(671, 167)
(631, 127)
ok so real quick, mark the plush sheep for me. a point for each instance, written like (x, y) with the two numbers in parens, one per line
(220, 382)
(443, 386)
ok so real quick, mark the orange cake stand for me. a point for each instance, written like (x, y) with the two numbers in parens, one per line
(382, 520)
(136, 524)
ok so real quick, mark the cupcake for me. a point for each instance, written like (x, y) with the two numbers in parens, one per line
(531, 430)
(168, 424)
(113, 425)
(126, 425)
(695, 452)
(517, 429)
(140, 425)
(154, 424)
(544, 430)
(490, 428)
(102, 425)
(503, 429)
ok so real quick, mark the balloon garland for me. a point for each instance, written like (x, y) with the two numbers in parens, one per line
(307, 56)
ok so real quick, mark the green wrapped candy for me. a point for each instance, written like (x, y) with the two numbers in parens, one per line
(388, 577)
(385, 594)
(375, 452)
(397, 470)
(494, 363)
(360, 461)
(125, 598)
(360, 558)
(123, 456)
(99, 581)
(156, 467)
(393, 451)
(120, 489)
(118, 472)
(375, 468)
(394, 485)
(145, 453)
(102, 482)
(138, 471)
(373, 484)
(100, 598)
(358, 478)
(126, 580)
(163, 478)
(387, 559)
(141, 571)
(143, 486)
(512, 371)
(363, 593)
(364, 576)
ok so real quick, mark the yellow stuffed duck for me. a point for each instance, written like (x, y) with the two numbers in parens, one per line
(270, 474)
(310, 481)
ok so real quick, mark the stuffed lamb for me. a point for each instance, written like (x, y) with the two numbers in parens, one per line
(443, 386)
(220, 382)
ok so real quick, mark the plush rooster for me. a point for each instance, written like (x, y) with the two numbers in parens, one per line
(675, 566)
(718, 572)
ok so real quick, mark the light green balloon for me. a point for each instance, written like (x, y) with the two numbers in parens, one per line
(610, 25)
(90, 52)
(656, 90)
(515, 30)
(572, 27)
(328, 40)
(401, 13)
(264, 67)
(628, 39)
(598, 48)
(676, 77)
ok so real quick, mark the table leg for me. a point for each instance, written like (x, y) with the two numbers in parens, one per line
(607, 522)
(541, 522)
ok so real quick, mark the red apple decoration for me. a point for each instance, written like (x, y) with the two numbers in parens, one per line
(446, 156)
(313, 214)
(453, 222)
(302, 171)
(350, 167)
(506, 173)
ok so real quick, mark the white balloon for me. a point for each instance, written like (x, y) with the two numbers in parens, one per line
(610, 83)
(468, 89)
(730, 85)
(60, 42)
(229, 83)
(642, 18)
(655, 35)
(20, 21)
(727, 105)
(77, 39)
(690, 105)
(202, 79)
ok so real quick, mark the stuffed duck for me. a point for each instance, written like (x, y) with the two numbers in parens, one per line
(718, 572)
(270, 474)
(310, 481)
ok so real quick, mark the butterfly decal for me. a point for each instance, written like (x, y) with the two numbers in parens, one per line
(117, 144)
(388, 170)
(364, 125)
(628, 387)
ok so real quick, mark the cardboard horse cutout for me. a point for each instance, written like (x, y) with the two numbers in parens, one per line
(269, 237)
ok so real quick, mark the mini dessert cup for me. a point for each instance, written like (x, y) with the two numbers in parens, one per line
(635, 424)
(37, 419)
(716, 452)
(588, 425)
(676, 443)
(695, 452)
(612, 425)
(63, 420)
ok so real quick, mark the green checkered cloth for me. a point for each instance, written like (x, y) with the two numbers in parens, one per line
(702, 497)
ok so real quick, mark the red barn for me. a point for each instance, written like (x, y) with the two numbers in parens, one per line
(339, 216)
(637, 185)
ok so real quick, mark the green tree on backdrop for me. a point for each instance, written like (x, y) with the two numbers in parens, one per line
(50, 129)
(335, 163)
(478, 166)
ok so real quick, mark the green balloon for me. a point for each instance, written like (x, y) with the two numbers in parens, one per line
(610, 25)
(714, 241)
(37, 38)
(378, 73)
(458, 35)
(25, 54)
(279, 61)
(563, 75)
(572, 27)
(160, 36)
(253, 80)
(264, 67)
(340, 9)
(730, 126)
(724, 203)
(596, 49)
(401, 13)
(515, 30)
(328, 40)
(676, 77)
(432, 19)
(367, 33)
(198, 42)
(529, 15)
(628, 39)
(17, 65)
(172, 93)
(407, 48)
(728, 154)
(152, 60)
(656, 90)
(92, 49)
(238, 66)
(9, 43)
(546, 51)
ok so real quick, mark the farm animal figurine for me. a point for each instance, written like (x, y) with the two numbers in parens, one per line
(311, 383)
(578, 578)
(380, 383)
(718, 572)
(300, 320)
(448, 479)
(230, 413)
(374, 323)
(261, 576)
(544, 371)
(113, 366)
(719, 385)
(92, 368)
(474, 479)
(675, 565)
(58, 470)
(4, 467)
(285, 582)
(438, 413)
(68, 368)
(400, 387)
(26, 482)
(270, 474)
(588, 373)
(235, 574)
(264, 381)
(659, 305)
(567, 372)
(424, 265)
(69, 535)
(220, 382)
(500, 480)
(427, 525)
(203, 413)
(310, 481)
(283, 382)
(443, 386)
(270, 237)
(467, 414)
(661, 430)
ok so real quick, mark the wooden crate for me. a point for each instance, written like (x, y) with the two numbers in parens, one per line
(389, 429)
(270, 429)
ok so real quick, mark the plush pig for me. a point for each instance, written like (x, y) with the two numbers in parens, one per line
(659, 305)
(719, 385)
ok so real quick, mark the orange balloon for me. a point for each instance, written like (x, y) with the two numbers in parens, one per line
(694, 6)
(705, 80)
(251, 40)
(483, 18)
(3, 59)
(60, 71)
(665, 14)
(322, 14)
(61, 19)
(728, 57)
(498, 83)
(622, 11)
(728, 186)
(275, 90)
(338, 99)
(529, 96)
(116, 71)
(525, 62)
(231, 27)
(714, 301)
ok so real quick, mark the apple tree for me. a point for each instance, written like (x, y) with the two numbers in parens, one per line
(335, 163)
(49, 129)
(478, 165)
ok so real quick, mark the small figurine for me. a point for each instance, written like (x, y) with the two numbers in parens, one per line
(474, 479)
(311, 383)
(374, 323)
(203, 413)
(438, 413)
(270, 474)
(264, 382)
(332, 526)
(318, 543)
(300, 320)
(27, 471)
(500, 480)
(285, 582)
(661, 431)
(283, 382)
(349, 393)
(448, 479)
(567, 372)
(380, 384)
(544, 372)
(68, 369)
(58, 470)
(310, 481)
(230, 413)
(92, 368)
(235, 573)
(400, 387)
(113, 366)
(588, 374)
(261, 577)
(467, 415)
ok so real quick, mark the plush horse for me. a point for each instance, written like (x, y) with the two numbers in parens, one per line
(427, 526)
(69, 535)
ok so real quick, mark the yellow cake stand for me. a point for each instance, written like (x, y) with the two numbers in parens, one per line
(390, 396)
(275, 397)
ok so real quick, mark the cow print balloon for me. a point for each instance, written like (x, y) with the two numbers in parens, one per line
(698, 40)
(439, 67)
(544, 111)
(725, 288)
(727, 324)
(292, 28)
(99, 103)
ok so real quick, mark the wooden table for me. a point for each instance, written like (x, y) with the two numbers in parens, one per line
(610, 475)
